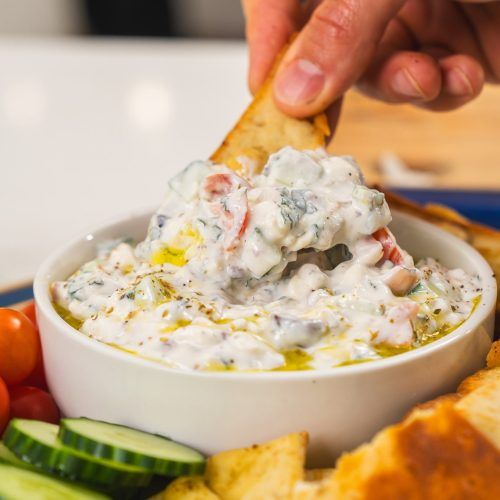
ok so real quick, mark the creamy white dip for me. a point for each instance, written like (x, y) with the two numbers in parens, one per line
(294, 269)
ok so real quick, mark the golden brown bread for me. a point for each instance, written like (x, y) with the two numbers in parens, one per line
(263, 129)
(433, 454)
(449, 450)
(493, 358)
(317, 474)
(481, 407)
(256, 472)
(269, 470)
(188, 488)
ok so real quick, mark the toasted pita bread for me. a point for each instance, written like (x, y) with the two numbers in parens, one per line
(433, 454)
(188, 488)
(317, 474)
(481, 408)
(493, 358)
(448, 448)
(263, 129)
(269, 470)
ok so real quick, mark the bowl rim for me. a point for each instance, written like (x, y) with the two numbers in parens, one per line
(481, 313)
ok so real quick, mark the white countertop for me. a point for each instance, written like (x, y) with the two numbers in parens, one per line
(90, 129)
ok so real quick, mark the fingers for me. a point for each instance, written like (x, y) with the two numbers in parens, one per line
(433, 79)
(269, 25)
(438, 76)
(331, 52)
(462, 80)
(404, 76)
(341, 38)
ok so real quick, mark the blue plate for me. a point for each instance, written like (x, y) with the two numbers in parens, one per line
(16, 294)
(479, 206)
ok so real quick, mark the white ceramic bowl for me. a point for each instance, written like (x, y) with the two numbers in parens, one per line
(340, 407)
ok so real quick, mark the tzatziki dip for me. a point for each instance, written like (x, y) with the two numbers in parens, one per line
(293, 269)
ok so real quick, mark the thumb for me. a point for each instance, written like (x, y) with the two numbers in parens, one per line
(331, 53)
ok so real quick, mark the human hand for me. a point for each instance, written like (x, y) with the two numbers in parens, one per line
(433, 53)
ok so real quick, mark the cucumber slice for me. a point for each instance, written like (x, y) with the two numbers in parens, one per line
(130, 446)
(21, 484)
(36, 443)
(7, 457)
(121, 493)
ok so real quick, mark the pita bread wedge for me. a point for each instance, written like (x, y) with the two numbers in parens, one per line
(448, 448)
(188, 488)
(268, 470)
(263, 129)
(493, 358)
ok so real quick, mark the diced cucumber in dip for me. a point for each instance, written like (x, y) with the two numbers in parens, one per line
(292, 269)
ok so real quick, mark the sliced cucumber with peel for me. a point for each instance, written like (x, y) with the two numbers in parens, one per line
(7, 457)
(129, 446)
(36, 443)
(22, 484)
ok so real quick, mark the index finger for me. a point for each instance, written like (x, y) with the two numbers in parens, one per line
(269, 25)
(331, 52)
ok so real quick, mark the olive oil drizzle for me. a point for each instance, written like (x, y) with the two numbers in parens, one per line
(297, 359)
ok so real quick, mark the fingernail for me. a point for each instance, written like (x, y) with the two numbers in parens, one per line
(405, 84)
(299, 83)
(457, 83)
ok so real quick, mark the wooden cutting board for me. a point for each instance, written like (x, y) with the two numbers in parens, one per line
(463, 145)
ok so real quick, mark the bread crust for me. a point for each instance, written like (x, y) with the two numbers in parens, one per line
(263, 129)
(448, 448)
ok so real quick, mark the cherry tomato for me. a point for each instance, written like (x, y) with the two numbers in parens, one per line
(29, 310)
(33, 403)
(19, 346)
(37, 378)
(4, 406)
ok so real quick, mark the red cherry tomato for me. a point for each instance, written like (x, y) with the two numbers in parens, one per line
(29, 310)
(4, 406)
(33, 403)
(19, 346)
(37, 377)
